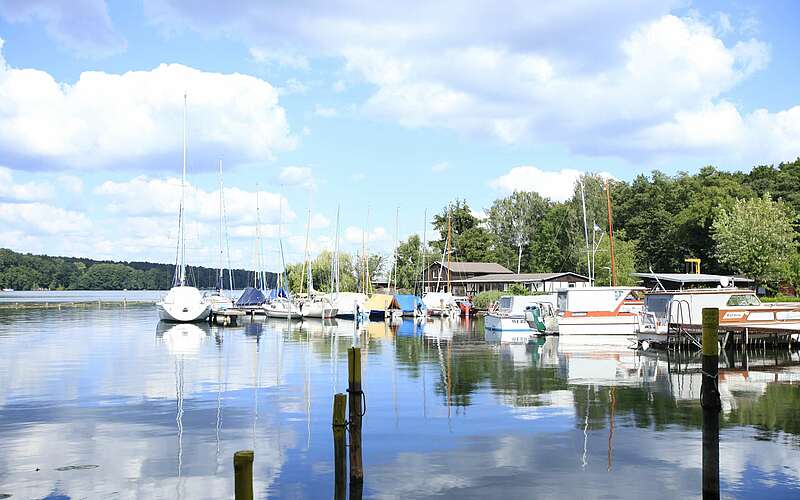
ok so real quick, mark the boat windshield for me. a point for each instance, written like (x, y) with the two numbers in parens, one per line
(504, 303)
(744, 300)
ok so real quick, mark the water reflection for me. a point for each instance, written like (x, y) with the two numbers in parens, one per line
(449, 413)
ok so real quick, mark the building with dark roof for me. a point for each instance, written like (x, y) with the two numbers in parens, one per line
(469, 278)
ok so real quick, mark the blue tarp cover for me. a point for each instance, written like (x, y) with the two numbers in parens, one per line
(274, 293)
(409, 303)
(251, 297)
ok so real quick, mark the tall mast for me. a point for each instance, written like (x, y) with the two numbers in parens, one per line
(424, 245)
(586, 233)
(182, 230)
(396, 237)
(611, 236)
(335, 268)
(368, 282)
(306, 264)
(259, 271)
(449, 260)
(221, 276)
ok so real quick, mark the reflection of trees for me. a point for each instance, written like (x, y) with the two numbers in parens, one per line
(778, 409)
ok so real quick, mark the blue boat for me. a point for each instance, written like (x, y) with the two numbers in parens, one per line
(410, 305)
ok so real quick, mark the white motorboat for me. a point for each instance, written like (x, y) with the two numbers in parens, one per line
(218, 301)
(523, 313)
(183, 303)
(737, 308)
(599, 310)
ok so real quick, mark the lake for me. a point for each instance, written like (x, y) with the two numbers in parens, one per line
(105, 402)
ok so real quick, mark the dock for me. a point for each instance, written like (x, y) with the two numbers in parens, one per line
(226, 317)
(686, 335)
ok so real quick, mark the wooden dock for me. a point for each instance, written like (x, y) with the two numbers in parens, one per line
(685, 335)
(226, 317)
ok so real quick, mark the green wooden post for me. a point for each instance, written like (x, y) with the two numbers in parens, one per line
(709, 399)
(243, 475)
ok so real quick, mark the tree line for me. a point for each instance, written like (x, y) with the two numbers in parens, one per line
(32, 272)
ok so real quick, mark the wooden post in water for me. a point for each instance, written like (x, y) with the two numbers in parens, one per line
(709, 400)
(339, 453)
(356, 410)
(243, 475)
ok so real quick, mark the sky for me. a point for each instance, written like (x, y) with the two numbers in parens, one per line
(372, 108)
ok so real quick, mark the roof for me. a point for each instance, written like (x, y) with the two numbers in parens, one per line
(408, 303)
(522, 278)
(381, 302)
(475, 267)
(683, 278)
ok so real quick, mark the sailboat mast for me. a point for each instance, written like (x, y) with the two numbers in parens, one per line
(449, 260)
(586, 233)
(396, 238)
(611, 236)
(306, 265)
(335, 278)
(424, 245)
(220, 276)
(182, 230)
(367, 282)
(259, 271)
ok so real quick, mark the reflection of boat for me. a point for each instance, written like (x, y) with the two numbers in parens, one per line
(510, 314)
(599, 310)
(183, 339)
(737, 308)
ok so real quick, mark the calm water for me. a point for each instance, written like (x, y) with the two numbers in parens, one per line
(107, 403)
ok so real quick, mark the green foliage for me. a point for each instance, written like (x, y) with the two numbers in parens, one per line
(517, 289)
(624, 261)
(755, 237)
(32, 272)
(484, 299)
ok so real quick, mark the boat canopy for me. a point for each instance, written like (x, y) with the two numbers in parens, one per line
(251, 297)
(274, 293)
(409, 303)
(381, 302)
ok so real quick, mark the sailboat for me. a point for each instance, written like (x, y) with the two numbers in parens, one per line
(348, 304)
(441, 303)
(313, 305)
(183, 303)
(218, 300)
(281, 305)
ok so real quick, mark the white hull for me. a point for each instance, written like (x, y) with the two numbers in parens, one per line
(218, 302)
(598, 325)
(183, 304)
(281, 309)
(507, 323)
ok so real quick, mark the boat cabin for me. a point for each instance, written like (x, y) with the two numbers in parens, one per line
(599, 300)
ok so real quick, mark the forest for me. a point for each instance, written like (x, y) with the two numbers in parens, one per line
(33, 272)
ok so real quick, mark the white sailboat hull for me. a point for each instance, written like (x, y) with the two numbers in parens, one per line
(281, 309)
(183, 304)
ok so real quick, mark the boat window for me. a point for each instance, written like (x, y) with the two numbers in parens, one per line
(657, 304)
(562, 301)
(744, 300)
(505, 303)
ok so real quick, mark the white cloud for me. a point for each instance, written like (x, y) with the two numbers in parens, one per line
(293, 86)
(27, 191)
(325, 111)
(145, 196)
(519, 73)
(354, 235)
(79, 125)
(71, 183)
(40, 218)
(442, 166)
(339, 86)
(557, 185)
(297, 176)
(82, 26)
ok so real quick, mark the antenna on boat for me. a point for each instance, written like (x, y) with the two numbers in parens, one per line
(586, 233)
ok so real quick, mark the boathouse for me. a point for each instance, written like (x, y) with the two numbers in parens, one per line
(438, 275)
(534, 282)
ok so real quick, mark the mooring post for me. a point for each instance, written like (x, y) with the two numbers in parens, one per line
(243, 475)
(709, 400)
(339, 454)
(356, 411)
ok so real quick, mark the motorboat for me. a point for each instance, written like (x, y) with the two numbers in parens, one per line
(218, 301)
(739, 308)
(530, 314)
(599, 310)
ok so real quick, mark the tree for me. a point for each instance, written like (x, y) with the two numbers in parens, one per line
(755, 237)
(624, 260)
(514, 222)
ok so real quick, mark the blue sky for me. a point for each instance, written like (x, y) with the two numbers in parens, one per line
(364, 104)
